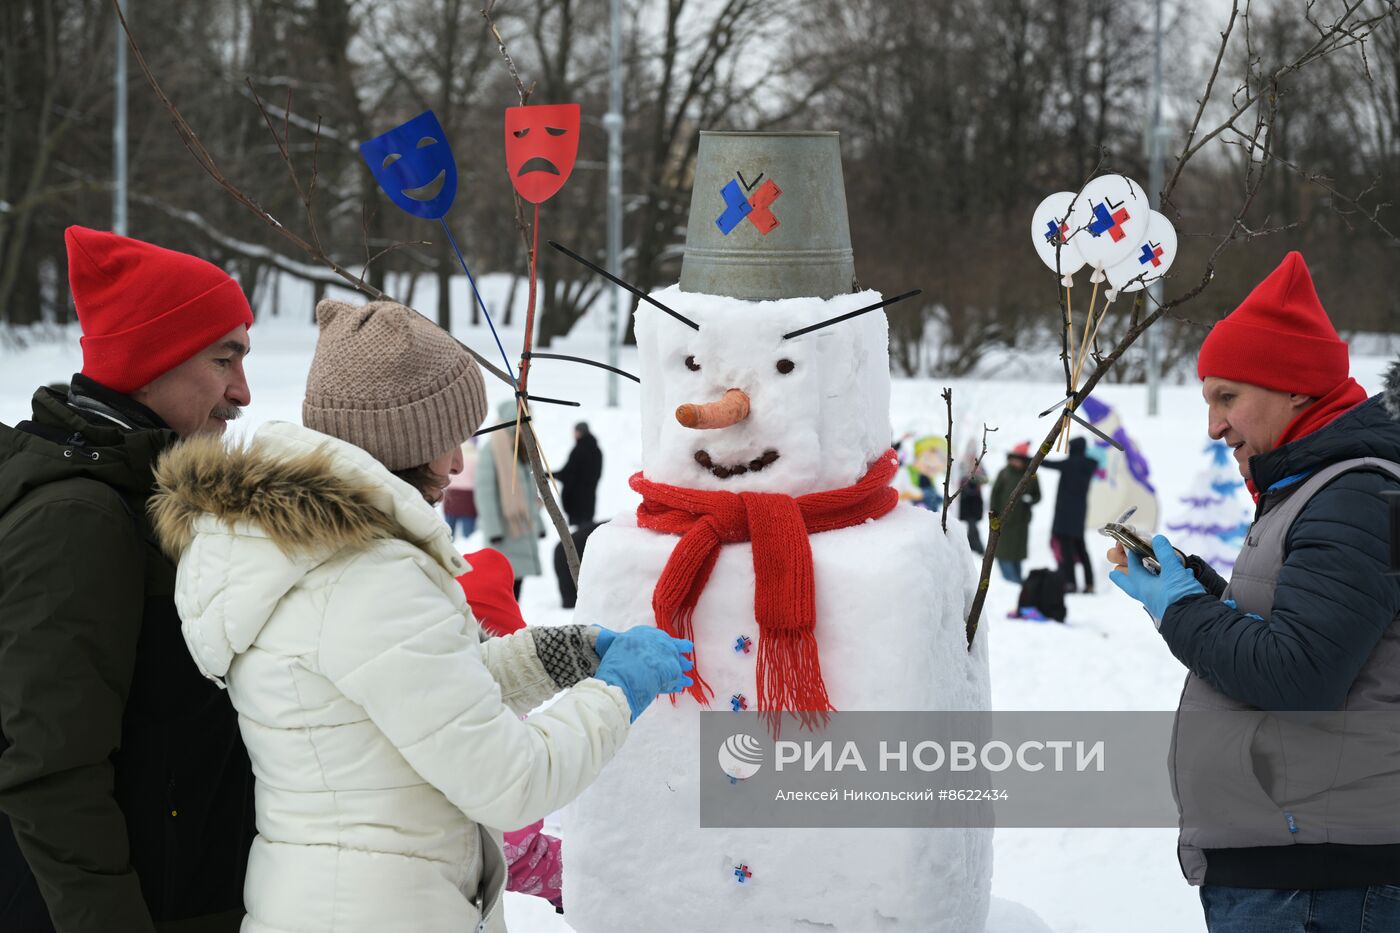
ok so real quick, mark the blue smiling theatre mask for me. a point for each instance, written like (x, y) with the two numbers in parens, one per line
(413, 164)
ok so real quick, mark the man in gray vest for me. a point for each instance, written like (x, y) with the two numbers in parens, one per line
(1289, 822)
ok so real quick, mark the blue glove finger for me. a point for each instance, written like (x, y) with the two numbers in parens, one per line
(687, 664)
(684, 645)
(1166, 554)
(1120, 579)
(1136, 570)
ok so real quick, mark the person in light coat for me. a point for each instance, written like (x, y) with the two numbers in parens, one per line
(507, 504)
(318, 583)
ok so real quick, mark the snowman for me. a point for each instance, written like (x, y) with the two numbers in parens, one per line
(769, 534)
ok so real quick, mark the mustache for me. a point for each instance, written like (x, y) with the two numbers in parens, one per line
(227, 412)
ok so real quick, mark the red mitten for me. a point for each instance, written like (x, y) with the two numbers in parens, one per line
(490, 589)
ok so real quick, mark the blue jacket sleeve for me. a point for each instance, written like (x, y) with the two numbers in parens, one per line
(1205, 575)
(1332, 602)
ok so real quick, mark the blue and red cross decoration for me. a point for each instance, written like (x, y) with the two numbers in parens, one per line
(742, 874)
(1151, 252)
(743, 644)
(1055, 232)
(738, 204)
(738, 702)
(1104, 222)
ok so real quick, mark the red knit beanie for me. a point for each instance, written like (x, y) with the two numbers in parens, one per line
(1279, 337)
(144, 309)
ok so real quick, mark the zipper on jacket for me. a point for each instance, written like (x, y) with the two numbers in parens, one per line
(481, 927)
(505, 883)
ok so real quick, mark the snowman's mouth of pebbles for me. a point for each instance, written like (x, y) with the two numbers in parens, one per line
(739, 469)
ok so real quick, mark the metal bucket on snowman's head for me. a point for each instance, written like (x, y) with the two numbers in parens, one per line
(768, 218)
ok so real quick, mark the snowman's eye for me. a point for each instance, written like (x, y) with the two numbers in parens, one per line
(786, 366)
(691, 365)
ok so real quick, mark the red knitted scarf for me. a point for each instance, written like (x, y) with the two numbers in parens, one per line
(1342, 399)
(789, 670)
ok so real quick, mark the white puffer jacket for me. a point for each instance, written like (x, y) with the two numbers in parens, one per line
(384, 734)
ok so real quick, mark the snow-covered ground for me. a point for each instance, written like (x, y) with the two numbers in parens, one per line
(1108, 656)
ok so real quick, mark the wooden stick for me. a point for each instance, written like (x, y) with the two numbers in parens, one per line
(1063, 441)
(520, 409)
(1102, 314)
(515, 451)
(1069, 309)
(553, 483)
(1088, 340)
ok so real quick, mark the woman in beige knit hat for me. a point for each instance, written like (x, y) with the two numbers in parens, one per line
(319, 583)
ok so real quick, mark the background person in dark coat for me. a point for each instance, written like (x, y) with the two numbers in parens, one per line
(579, 476)
(1071, 506)
(1015, 530)
(126, 797)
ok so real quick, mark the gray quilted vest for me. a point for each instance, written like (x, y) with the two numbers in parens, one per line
(1245, 778)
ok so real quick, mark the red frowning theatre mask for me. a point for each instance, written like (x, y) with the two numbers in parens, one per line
(541, 147)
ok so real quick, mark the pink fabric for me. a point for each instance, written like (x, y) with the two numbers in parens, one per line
(536, 866)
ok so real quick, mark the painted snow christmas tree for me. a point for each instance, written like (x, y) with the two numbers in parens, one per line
(770, 535)
(1214, 516)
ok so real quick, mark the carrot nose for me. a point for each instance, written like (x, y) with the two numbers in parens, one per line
(729, 410)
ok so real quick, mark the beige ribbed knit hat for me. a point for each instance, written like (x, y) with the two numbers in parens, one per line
(392, 383)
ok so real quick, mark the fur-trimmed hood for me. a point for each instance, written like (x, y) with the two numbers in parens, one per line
(1392, 390)
(308, 492)
(248, 522)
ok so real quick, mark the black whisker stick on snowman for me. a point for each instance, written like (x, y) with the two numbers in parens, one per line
(770, 535)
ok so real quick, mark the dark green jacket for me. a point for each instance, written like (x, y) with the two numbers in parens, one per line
(123, 779)
(1015, 531)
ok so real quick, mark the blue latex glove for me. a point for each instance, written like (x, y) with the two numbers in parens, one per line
(645, 661)
(605, 638)
(1157, 591)
(1248, 615)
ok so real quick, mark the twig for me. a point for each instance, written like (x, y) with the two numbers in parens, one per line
(948, 459)
(1205, 99)
(1372, 216)
(388, 249)
(510, 62)
(976, 465)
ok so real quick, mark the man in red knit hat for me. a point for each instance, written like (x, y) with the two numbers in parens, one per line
(1287, 827)
(125, 790)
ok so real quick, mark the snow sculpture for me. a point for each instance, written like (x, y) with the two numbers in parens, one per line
(744, 403)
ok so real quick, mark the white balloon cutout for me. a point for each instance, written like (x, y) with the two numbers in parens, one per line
(1108, 221)
(1153, 257)
(1048, 224)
